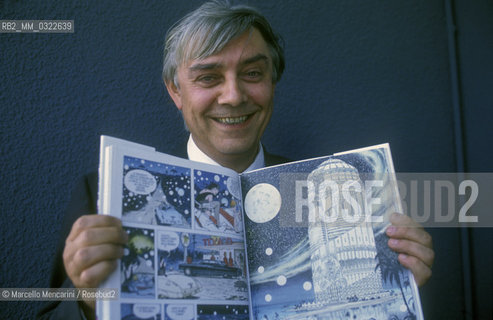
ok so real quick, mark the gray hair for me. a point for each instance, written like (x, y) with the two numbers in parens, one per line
(208, 29)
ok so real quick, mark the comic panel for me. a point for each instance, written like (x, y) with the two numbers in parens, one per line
(179, 312)
(156, 193)
(194, 266)
(137, 264)
(217, 205)
(232, 312)
(336, 266)
(139, 311)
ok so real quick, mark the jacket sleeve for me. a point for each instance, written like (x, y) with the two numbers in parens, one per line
(82, 202)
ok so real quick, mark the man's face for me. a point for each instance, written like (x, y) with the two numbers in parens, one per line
(226, 99)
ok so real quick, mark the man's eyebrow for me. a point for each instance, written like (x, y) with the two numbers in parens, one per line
(204, 66)
(258, 57)
(211, 66)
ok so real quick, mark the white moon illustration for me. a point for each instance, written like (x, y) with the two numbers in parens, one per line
(234, 187)
(262, 203)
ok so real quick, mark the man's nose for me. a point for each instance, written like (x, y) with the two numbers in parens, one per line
(232, 93)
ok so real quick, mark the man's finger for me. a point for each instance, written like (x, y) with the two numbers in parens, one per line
(406, 228)
(414, 249)
(420, 271)
(87, 257)
(92, 221)
(402, 220)
(100, 235)
(413, 234)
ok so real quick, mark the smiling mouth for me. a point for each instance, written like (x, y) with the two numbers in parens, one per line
(232, 120)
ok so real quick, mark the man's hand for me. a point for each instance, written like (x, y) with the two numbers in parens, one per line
(92, 249)
(414, 245)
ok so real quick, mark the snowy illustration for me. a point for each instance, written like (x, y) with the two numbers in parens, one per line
(221, 312)
(177, 311)
(156, 193)
(336, 264)
(314, 232)
(137, 264)
(195, 266)
(171, 282)
(139, 311)
(217, 203)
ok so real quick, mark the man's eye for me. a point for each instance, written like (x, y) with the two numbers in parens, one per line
(254, 74)
(207, 79)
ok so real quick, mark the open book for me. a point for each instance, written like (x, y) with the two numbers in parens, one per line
(303, 240)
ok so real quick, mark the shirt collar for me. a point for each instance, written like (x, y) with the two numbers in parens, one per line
(195, 154)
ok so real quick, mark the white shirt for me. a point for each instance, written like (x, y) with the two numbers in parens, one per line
(195, 154)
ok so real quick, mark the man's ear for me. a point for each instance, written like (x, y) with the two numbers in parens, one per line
(174, 93)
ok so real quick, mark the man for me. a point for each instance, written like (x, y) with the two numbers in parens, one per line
(221, 66)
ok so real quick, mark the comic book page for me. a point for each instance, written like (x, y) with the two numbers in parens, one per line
(185, 258)
(316, 242)
(314, 235)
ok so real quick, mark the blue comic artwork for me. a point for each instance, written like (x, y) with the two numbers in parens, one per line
(220, 312)
(137, 264)
(179, 311)
(156, 193)
(200, 266)
(217, 205)
(140, 311)
(316, 241)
